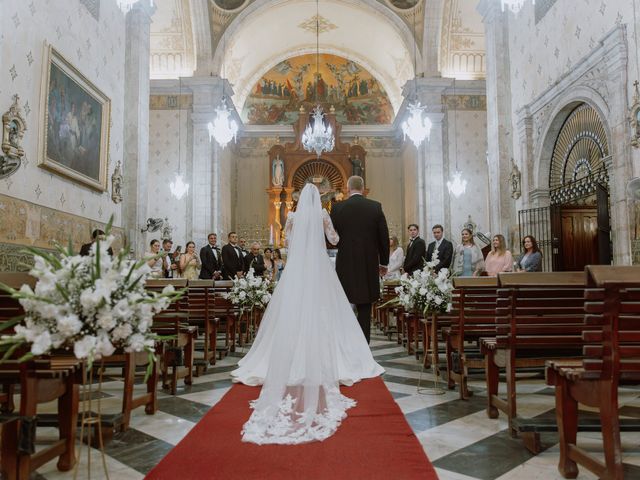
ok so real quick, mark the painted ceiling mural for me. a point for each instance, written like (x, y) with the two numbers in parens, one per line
(357, 96)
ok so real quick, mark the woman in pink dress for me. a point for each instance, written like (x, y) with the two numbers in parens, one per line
(499, 258)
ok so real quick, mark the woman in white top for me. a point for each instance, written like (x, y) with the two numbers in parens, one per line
(396, 259)
(308, 343)
(154, 263)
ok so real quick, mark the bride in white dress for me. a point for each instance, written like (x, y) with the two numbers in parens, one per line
(308, 343)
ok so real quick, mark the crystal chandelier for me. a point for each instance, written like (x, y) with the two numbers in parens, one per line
(224, 128)
(457, 186)
(317, 137)
(514, 5)
(416, 127)
(178, 187)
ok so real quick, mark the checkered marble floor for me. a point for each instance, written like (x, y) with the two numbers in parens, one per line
(457, 436)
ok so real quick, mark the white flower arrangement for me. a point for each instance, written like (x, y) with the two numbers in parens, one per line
(425, 291)
(250, 292)
(90, 304)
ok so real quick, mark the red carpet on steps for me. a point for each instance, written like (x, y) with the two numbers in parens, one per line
(373, 442)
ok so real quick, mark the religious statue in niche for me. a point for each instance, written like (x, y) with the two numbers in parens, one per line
(634, 117)
(356, 166)
(13, 128)
(277, 172)
(516, 181)
(116, 184)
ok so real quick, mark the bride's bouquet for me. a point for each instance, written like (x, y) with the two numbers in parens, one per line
(250, 292)
(88, 304)
(425, 291)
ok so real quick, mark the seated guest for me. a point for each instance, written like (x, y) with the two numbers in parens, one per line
(155, 261)
(254, 260)
(232, 258)
(396, 259)
(468, 260)
(86, 248)
(278, 264)
(269, 271)
(531, 259)
(416, 251)
(190, 263)
(499, 258)
(444, 247)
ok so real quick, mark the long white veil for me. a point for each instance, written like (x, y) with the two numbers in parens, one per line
(300, 399)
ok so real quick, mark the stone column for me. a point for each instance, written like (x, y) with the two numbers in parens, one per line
(430, 172)
(136, 123)
(499, 123)
(207, 155)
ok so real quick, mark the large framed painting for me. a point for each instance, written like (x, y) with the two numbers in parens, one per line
(74, 135)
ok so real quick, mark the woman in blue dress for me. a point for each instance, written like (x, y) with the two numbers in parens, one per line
(468, 259)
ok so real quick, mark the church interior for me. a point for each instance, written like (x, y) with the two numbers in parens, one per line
(173, 119)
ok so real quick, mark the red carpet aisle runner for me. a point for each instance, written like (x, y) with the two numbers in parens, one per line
(373, 442)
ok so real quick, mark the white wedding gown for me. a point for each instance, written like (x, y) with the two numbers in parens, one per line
(308, 343)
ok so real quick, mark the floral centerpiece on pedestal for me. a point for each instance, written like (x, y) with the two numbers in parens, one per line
(425, 291)
(90, 304)
(250, 292)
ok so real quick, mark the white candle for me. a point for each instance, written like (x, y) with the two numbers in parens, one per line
(271, 234)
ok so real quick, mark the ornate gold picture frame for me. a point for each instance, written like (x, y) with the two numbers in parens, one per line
(74, 128)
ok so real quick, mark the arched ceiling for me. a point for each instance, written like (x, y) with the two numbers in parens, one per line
(192, 37)
(268, 32)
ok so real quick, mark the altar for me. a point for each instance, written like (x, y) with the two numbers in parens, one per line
(292, 167)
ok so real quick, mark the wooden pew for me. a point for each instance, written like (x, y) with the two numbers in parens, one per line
(612, 358)
(472, 317)
(539, 316)
(383, 311)
(200, 302)
(174, 321)
(227, 315)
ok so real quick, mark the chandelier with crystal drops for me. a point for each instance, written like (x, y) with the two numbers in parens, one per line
(457, 186)
(178, 187)
(224, 128)
(514, 5)
(417, 127)
(317, 137)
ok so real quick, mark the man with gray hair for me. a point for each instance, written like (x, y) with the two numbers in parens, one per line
(363, 249)
(255, 260)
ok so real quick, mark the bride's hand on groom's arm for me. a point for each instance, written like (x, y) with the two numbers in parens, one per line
(383, 270)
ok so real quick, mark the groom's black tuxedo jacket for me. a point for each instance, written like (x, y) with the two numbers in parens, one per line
(363, 247)
(210, 263)
(231, 262)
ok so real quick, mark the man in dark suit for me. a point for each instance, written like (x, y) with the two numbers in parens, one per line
(211, 259)
(444, 246)
(363, 249)
(86, 248)
(416, 251)
(232, 259)
(254, 260)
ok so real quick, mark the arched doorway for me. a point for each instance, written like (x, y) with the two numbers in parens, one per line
(579, 192)
(322, 174)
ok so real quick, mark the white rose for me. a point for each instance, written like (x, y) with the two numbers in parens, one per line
(122, 309)
(242, 295)
(266, 298)
(121, 332)
(105, 319)
(84, 347)
(89, 300)
(104, 347)
(138, 342)
(438, 300)
(69, 325)
(41, 344)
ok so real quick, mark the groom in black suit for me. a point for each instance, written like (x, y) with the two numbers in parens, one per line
(363, 249)
(211, 259)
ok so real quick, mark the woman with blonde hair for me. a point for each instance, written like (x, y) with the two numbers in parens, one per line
(396, 259)
(190, 263)
(468, 260)
(499, 258)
